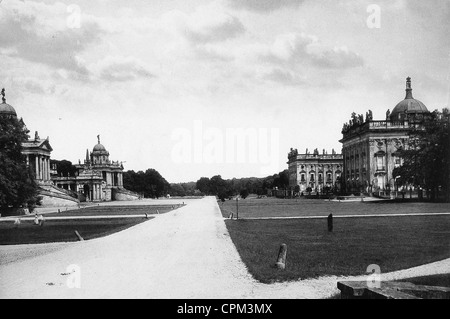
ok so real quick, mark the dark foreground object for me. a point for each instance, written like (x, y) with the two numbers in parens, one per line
(391, 290)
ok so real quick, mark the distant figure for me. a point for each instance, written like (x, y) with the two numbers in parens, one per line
(36, 219)
(41, 220)
(17, 222)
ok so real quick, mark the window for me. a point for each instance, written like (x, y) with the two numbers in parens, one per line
(380, 163)
(302, 178)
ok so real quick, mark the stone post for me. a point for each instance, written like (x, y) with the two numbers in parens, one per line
(281, 261)
(330, 222)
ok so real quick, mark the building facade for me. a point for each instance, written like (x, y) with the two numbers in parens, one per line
(317, 171)
(97, 178)
(37, 153)
(371, 148)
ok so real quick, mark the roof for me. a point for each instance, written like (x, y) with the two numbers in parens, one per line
(6, 109)
(409, 105)
(37, 144)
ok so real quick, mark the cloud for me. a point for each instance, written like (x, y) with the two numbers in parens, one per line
(120, 69)
(295, 49)
(264, 5)
(208, 24)
(227, 27)
(285, 77)
(338, 58)
(40, 33)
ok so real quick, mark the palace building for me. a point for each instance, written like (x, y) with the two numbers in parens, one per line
(97, 179)
(371, 147)
(317, 171)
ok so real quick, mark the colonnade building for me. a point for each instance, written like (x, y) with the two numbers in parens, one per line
(97, 178)
(315, 170)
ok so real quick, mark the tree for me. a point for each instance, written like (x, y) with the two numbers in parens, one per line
(203, 185)
(177, 190)
(150, 183)
(244, 193)
(426, 160)
(297, 189)
(17, 182)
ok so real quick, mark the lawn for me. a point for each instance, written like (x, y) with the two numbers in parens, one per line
(62, 230)
(273, 207)
(393, 243)
(115, 210)
(435, 280)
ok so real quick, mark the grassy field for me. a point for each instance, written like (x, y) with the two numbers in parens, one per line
(273, 207)
(393, 243)
(114, 210)
(62, 230)
(435, 280)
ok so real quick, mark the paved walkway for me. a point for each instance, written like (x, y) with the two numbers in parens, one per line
(186, 253)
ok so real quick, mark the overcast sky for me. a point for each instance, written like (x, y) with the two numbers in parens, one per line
(166, 82)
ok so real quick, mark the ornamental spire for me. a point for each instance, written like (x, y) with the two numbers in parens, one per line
(98, 138)
(408, 88)
(3, 96)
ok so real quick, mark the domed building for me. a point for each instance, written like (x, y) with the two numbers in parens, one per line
(409, 108)
(5, 108)
(371, 147)
(98, 178)
(37, 152)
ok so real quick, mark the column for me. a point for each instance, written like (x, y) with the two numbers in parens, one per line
(48, 168)
(36, 160)
(45, 169)
(40, 167)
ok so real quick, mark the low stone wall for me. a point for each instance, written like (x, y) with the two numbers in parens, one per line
(52, 201)
(54, 197)
(124, 195)
(391, 290)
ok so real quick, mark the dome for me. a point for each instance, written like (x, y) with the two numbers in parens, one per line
(408, 106)
(99, 148)
(6, 109)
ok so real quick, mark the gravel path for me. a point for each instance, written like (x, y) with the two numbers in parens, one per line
(186, 253)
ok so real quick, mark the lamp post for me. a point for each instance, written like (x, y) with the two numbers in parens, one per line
(237, 207)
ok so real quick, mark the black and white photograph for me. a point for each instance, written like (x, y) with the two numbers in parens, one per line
(224, 155)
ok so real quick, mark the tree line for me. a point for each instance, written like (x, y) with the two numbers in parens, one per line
(217, 186)
(426, 163)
